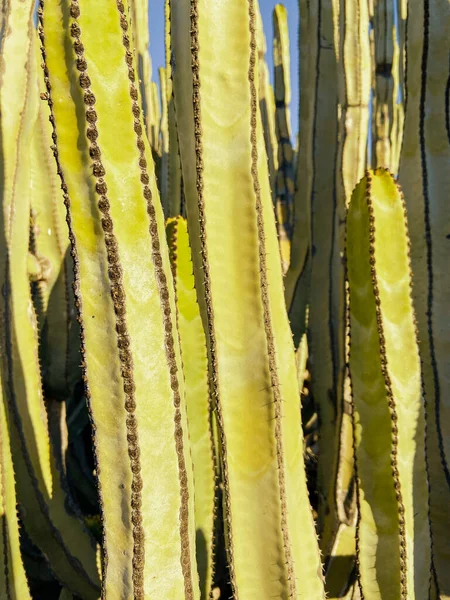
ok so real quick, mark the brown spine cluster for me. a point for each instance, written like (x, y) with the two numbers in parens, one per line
(273, 370)
(390, 395)
(212, 346)
(167, 313)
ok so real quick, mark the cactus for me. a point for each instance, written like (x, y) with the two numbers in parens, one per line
(268, 523)
(40, 485)
(13, 581)
(115, 221)
(298, 275)
(164, 130)
(284, 182)
(425, 177)
(161, 433)
(393, 537)
(141, 39)
(351, 22)
(195, 369)
(384, 99)
(59, 331)
(267, 108)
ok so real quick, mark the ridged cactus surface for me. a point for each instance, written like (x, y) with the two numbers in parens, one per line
(116, 222)
(224, 343)
(251, 357)
(393, 533)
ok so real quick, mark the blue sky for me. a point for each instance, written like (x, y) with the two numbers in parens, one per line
(156, 18)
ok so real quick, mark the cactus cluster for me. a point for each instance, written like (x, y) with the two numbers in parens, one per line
(224, 357)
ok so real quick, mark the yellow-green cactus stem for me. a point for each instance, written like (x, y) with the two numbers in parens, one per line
(174, 177)
(297, 277)
(351, 43)
(13, 581)
(398, 73)
(425, 178)
(398, 107)
(156, 120)
(317, 204)
(164, 130)
(141, 39)
(269, 530)
(40, 486)
(393, 531)
(340, 572)
(59, 331)
(195, 369)
(383, 104)
(131, 355)
(284, 182)
(267, 107)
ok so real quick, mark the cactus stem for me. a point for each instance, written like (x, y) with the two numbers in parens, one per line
(207, 282)
(119, 302)
(275, 384)
(169, 340)
(76, 282)
(428, 240)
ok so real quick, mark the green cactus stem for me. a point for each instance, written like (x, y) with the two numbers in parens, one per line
(393, 531)
(425, 178)
(284, 182)
(269, 531)
(13, 581)
(40, 485)
(195, 369)
(131, 355)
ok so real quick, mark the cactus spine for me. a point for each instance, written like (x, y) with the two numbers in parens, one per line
(393, 544)
(251, 357)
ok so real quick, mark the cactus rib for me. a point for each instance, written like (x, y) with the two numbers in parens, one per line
(206, 275)
(119, 303)
(273, 368)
